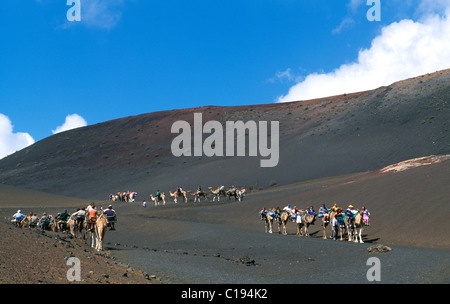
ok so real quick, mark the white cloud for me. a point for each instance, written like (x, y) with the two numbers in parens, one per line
(11, 142)
(403, 50)
(72, 121)
(102, 13)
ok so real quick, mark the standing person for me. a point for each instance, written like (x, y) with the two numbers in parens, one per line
(366, 215)
(144, 204)
(335, 227)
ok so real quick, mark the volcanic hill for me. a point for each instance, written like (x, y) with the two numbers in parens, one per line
(318, 138)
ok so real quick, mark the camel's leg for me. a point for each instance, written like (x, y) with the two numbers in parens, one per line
(350, 233)
(324, 232)
(92, 236)
(100, 242)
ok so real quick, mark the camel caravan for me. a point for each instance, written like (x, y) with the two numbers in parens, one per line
(88, 224)
(127, 197)
(342, 224)
(159, 198)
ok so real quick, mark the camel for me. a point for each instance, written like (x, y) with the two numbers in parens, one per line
(215, 193)
(25, 223)
(97, 231)
(358, 228)
(350, 226)
(197, 195)
(284, 218)
(50, 224)
(162, 198)
(305, 221)
(236, 193)
(77, 229)
(269, 223)
(178, 194)
(100, 231)
(326, 223)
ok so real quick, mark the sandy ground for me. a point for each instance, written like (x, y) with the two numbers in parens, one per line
(225, 243)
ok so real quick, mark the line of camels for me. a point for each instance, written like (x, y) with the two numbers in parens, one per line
(237, 193)
(353, 228)
(96, 234)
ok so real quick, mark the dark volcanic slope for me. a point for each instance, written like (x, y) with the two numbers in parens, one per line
(318, 138)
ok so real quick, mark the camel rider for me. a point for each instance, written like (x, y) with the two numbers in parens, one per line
(79, 216)
(323, 212)
(335, 208)
(263, 213)
(199, 190)
(63, 218)
(310, 211)
(111, 216)
(222, 188)
(158, 194)
(18, 216)
(288, 208)
(339, 216)
(179, 189)
(350, 213)
(44, 221)
(92, 217)
(90, 206)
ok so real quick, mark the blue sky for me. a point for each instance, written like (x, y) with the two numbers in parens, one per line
(128, 57)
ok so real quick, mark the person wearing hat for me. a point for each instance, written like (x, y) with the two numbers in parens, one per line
(111, 217)
(44, 221)
(18, 217)
(350, 212)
